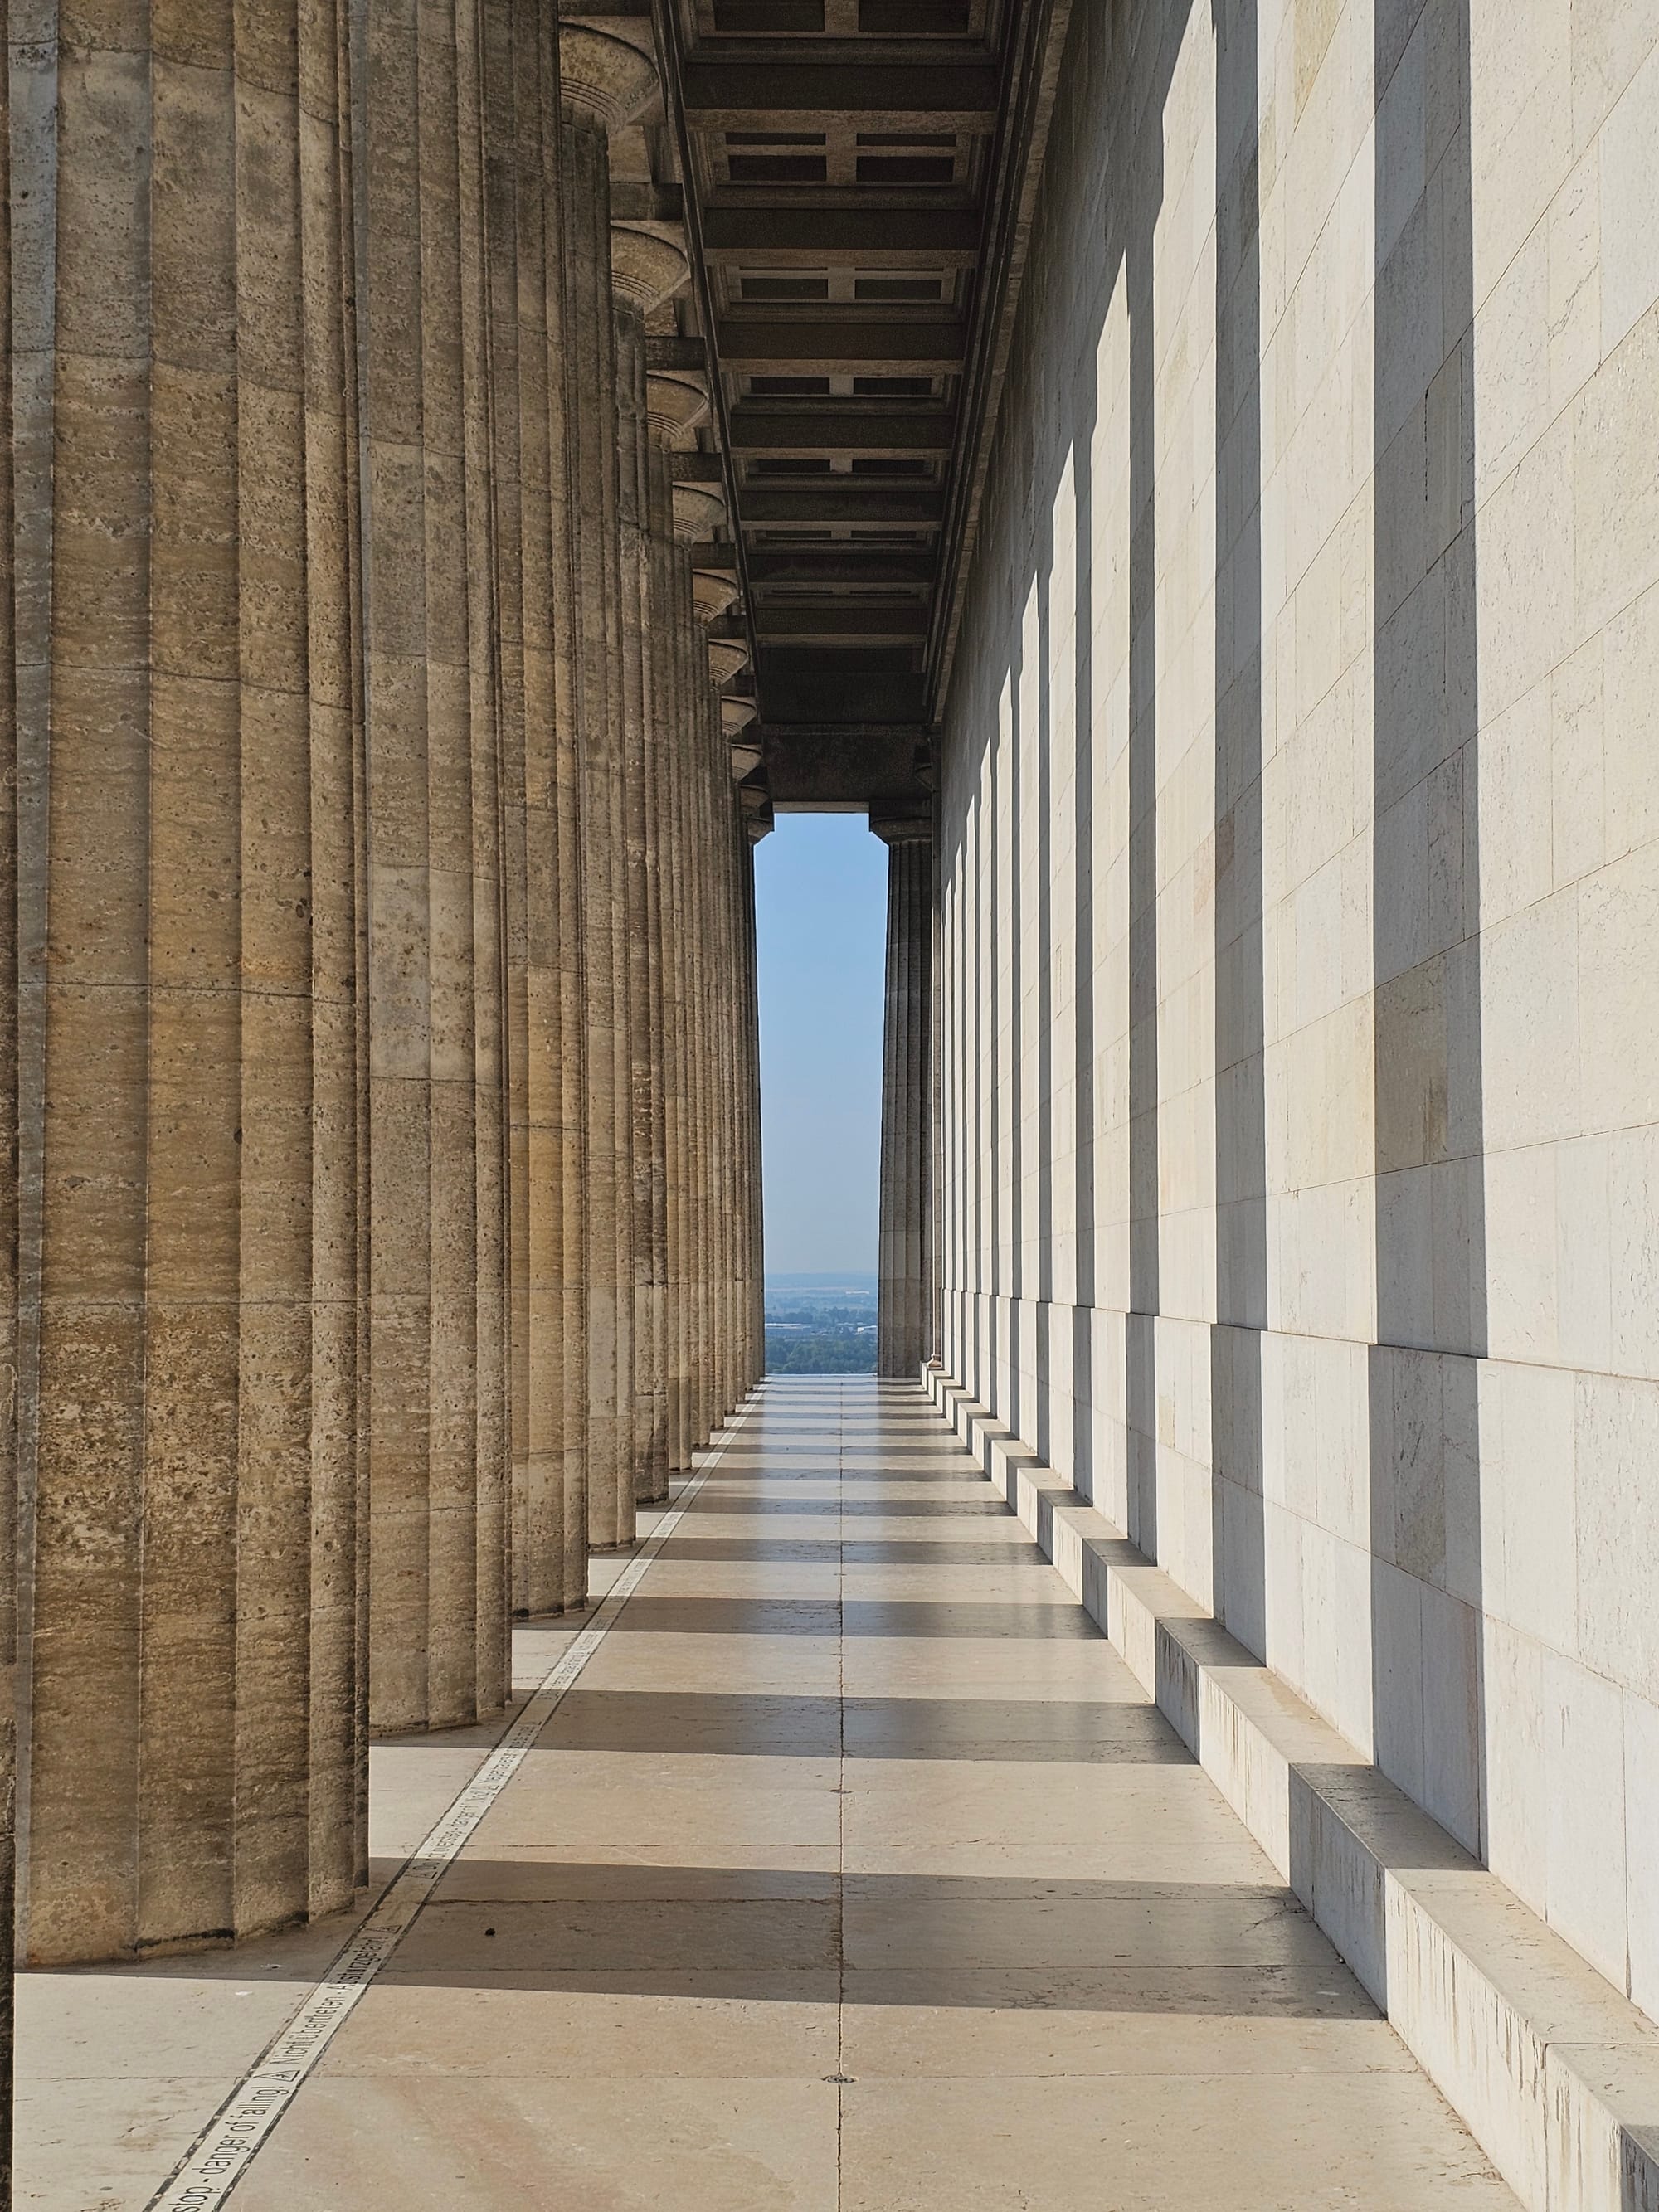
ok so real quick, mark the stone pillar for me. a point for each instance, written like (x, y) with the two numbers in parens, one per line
(545, 1057)
(438, 1373)
(193, 977)
(905, 1301)
(732, 1081)
(755, 1317)
(675, 404)
(696, 1223)
(646, 270)
(8, 1195)
(754, 821)
(604, 82)
(697, 508)
(726, 656)
(678, 1013)
(713, 590)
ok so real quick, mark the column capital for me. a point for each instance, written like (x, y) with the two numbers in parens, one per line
(697, 508)
(602, 78)
(902, 822)
(726, 655)
(645, 268)
(674, 405)
(713, 591)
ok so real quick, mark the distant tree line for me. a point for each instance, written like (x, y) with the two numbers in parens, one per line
(835, 1352)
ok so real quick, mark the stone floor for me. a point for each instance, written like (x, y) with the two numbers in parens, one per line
(853, 1872)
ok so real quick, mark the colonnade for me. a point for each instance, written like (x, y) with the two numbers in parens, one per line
(378, 1072)
(906, 1323)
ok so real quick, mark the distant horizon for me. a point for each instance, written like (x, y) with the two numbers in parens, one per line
(792, 1279)
(821, 931)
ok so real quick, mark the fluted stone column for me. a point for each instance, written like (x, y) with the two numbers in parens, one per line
(714, 591)
(647, 269)
(675, 404)
(727, 657)
(714, 1149)
(704, 1014)
(545, 1055)
(730, 1158)
(192, 907)
(905, 1299)
(755, 1319)
(742, 732)
(696, 510)
(9, 1194)
(438, 1374)
(605, 82)
(710, 1052)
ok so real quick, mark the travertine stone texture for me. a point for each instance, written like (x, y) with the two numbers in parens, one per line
(685, 646)
(194, 984)
(646, 270)
(718, 1335)
(604, 82)
(964, 1865)
(1300, 855)
(699, 509)
(439, 1433)
(726, 655)
(537, 633)
(904, 1296)
(8, 1190)
(752, 1318)
(676, 404)
(673, 406)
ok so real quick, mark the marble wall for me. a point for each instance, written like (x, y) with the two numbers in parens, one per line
(1300, 876)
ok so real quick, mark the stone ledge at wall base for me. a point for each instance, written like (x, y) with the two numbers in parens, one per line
(1555, 2074)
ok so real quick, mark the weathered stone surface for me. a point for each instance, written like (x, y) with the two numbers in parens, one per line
(603, 79)
(600, 708)
(194, 986)
(439, 1442)
(648, 1449)
(699, 509)
(726, 655)
(904, 1311)
(10, 1195)
(546, 1045)
(675, 404)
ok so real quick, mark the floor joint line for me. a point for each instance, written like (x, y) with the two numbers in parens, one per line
(227, 2146)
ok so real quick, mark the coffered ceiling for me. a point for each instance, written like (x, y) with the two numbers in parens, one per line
(857, 176)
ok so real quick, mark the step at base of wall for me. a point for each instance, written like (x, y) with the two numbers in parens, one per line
(1555, 2073)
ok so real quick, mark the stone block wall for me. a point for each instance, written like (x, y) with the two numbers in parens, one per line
(1300, 883)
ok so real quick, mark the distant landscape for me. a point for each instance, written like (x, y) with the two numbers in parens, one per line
(821, 1324)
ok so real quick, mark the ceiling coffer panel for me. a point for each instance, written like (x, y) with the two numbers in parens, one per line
(858, 176)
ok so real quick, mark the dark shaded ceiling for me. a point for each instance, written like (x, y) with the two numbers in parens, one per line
(859, 176)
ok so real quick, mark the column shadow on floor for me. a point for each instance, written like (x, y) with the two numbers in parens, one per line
(902, 1618)
(762, 1725)
(883, 1552)
(1227, 1950)
(854, 1509)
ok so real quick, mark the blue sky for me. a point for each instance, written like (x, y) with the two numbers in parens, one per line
(820, 915)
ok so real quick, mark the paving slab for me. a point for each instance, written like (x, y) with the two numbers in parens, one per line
(856, 1873)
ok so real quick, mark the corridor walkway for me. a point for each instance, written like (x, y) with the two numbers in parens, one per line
(853, 1872)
